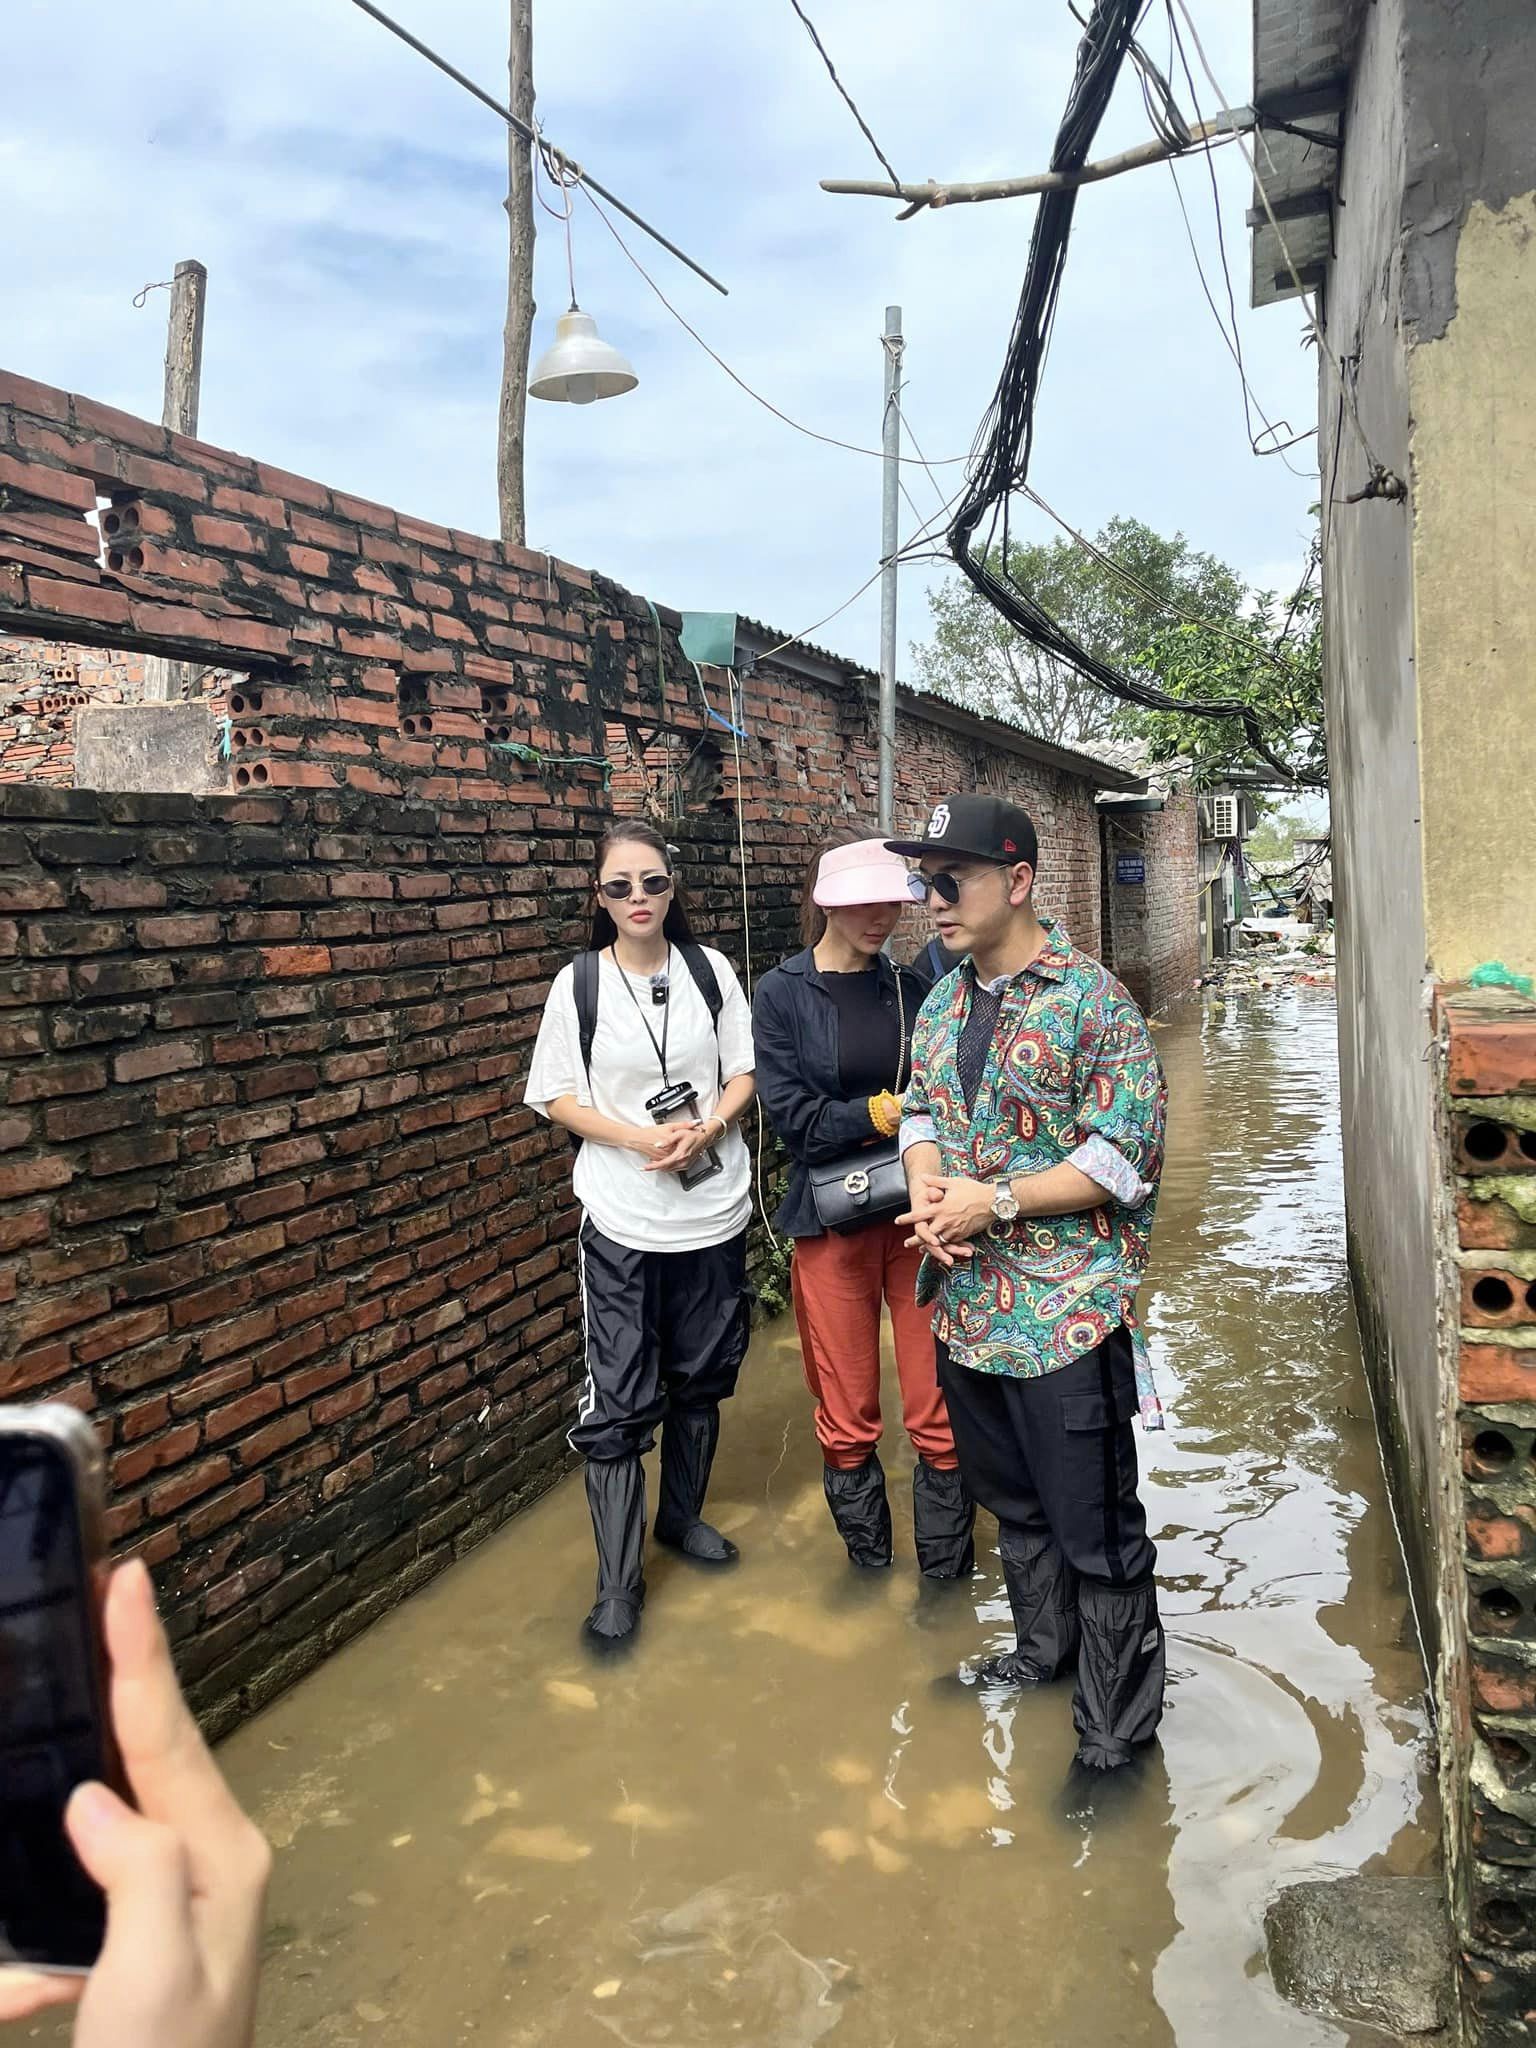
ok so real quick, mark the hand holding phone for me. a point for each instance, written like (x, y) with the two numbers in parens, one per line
(184, 1877)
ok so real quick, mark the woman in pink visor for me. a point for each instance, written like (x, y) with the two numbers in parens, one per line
(832, 1029)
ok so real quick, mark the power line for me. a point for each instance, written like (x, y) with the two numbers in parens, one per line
(1245, 641)
(811, 433)
(1232, 338)
(521, 128)
(905, 552)
(1383, 483)
(1007, 433)
(869, 137)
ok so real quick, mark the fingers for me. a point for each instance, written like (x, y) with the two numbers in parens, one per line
(671, 1159)
(142, 1867)
(174, 1779)
(931, 1242)
(24, 1993)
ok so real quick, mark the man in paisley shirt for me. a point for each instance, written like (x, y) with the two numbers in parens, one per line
(1032, 1135)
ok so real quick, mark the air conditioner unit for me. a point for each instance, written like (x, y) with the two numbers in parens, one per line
(1224, 817)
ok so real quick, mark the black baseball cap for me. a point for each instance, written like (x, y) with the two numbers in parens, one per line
(977, 827)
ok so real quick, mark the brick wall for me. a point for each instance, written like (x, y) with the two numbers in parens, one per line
(1488, 1042)
(269, 1208)
(1153, 925)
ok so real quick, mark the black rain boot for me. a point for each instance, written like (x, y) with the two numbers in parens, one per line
(1121, 1666)
(616, 1496)
(1042, 1591)
(943, 1522)
(861, 1511)
(688, 1440)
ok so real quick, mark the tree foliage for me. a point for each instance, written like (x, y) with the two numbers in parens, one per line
(1268, 655)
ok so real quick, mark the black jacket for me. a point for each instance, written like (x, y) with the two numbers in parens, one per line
(795, 1031)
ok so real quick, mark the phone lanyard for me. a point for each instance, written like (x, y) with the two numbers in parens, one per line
(666, 1021)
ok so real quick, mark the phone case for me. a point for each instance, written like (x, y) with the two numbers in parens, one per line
(67, 1428)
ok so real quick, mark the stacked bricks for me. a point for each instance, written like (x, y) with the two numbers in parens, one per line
(1489, 1049)
(270, 1210)
(44, 683)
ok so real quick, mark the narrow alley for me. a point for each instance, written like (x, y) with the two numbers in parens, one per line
(771, 1826)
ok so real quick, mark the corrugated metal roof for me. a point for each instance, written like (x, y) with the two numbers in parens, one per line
(1302, 51)
(754, 640)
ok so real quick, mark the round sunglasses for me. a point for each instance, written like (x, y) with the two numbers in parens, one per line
(946, 887)
(650, 885)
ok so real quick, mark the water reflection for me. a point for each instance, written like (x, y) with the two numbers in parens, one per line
(770, 1827)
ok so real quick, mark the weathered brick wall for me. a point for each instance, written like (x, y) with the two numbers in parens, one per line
(269, 1208)
(1153, 925)
(1488, 1042)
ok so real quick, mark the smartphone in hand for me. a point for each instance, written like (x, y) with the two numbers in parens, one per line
(55, 1729)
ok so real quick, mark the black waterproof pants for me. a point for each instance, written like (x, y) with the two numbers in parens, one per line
(664, 1330)
(1054, 1458)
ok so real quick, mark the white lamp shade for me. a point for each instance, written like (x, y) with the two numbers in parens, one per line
(579, 367)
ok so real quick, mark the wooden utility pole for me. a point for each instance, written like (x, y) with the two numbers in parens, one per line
(518, 332)
(165, 682)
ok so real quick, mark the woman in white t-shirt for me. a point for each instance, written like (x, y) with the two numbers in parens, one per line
(650, 1024)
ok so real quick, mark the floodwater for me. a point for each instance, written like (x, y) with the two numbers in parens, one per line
(769, 1827)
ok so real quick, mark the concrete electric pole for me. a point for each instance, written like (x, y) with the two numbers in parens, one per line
(165, 681)
(890, 443)
(519, 327)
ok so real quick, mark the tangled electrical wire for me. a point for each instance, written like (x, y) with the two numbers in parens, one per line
(1005, 440)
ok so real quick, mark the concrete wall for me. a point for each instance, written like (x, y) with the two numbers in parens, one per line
(1386, 1087)
(1430, 633)
(1473, 393)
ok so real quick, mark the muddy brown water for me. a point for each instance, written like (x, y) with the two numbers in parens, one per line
(769, 1828)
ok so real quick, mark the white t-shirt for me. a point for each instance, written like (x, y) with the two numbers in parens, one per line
(649, 1212)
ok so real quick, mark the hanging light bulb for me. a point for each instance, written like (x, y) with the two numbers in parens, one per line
(580, 366)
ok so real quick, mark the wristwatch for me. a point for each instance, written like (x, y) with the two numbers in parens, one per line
(1005, 1203)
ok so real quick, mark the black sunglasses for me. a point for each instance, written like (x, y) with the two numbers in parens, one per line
(946, 887)
(650, 885)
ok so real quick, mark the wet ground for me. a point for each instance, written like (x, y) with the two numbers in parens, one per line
(769, 1828)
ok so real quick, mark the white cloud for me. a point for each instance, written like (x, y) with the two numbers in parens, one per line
(347, 202)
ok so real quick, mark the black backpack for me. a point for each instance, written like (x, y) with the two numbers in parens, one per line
(586, 983)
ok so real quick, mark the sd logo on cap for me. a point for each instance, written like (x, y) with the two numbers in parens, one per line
(975, 827)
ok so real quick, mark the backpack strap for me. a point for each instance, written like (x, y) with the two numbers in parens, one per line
(584, 988)
(585, 985)
(704, 978)
(709, 988)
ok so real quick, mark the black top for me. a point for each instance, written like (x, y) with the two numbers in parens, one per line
(975, 1047)
(797, 1032)
(868, 1033)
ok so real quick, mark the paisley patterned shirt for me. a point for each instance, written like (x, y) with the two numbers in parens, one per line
(1072, 1076)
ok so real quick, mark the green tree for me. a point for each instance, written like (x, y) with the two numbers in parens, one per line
(1266, 655)
(1273, 663)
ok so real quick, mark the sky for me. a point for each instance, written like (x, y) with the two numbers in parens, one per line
(347, 201)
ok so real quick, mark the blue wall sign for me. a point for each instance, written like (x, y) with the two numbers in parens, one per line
(1130, 867)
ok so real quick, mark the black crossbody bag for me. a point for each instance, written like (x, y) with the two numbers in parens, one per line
(869, 1184)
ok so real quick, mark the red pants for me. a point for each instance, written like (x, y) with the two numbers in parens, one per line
(839, 1283)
